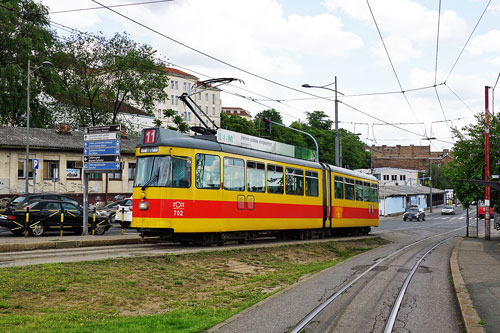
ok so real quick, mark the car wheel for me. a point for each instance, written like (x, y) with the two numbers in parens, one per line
(404, 218)
(37, 229)
(423, 218)
(100, 230)
(112, 218)
(418, 219)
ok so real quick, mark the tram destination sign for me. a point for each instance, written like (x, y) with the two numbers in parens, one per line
(101, 148)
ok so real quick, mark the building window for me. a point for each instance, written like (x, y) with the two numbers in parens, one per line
(186, 86)
(73, 170)
(95, 176)
(199, 96)
(172, 99)
(206, 110)
(394, 177)
(131, 171)
(115, 175)
(213, 110)
(386, 177)
(20, 168)
(50, 169)
(206, 97)
(213, 98)
(402, 177)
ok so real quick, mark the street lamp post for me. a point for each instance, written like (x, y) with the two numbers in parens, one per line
(26, 166)
(337, 141)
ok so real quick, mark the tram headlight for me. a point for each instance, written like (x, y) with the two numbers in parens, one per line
(143, 205)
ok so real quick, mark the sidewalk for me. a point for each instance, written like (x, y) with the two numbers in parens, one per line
(475, 268)
(13, 243)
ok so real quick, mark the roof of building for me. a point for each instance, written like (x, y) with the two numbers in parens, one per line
(402, 190)
(176, 72)
(242, 112)
(54, 139)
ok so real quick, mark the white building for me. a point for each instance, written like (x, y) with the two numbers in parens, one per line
(207, 99)
(393, 176)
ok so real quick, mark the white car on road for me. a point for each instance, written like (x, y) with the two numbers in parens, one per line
(124, 209)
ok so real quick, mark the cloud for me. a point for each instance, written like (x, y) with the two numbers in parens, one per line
(487, 43)
(409, 26)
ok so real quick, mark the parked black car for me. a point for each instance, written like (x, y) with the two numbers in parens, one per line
(45, 215)
(414, 214)
(23, 198)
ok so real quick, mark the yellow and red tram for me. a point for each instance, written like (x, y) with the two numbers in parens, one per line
(197, 189)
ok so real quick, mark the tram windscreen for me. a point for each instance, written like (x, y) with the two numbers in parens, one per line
(167, 171)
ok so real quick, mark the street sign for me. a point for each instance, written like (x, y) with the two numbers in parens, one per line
(102, 136)
(101, 148)
(101, 144)
(102, 129)
(102, 158)
(102, 166)
(35, 163)
(101, 151)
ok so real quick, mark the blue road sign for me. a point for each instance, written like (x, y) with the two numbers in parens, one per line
(102, 166)
(35, 163)
(101, 151)
(102, 144)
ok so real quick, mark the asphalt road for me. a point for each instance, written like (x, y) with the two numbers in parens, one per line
(429, 306)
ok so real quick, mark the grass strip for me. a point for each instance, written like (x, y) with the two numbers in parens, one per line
(174, 293)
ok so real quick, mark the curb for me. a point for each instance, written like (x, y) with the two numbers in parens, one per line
(469, 314)
(66, 244)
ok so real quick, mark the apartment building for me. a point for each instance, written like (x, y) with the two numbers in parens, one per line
(208, 99)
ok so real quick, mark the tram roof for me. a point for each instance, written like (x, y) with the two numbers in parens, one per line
(170, 138)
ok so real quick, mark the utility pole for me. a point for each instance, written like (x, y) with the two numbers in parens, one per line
(487, 165)
(337, 143)
(430, 184)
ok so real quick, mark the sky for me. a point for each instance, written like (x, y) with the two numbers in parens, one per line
(375, 48)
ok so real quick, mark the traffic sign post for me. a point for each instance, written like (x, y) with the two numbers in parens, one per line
(101, 150)
(35, 163)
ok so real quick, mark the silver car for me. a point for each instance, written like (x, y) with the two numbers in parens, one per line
(448, 210)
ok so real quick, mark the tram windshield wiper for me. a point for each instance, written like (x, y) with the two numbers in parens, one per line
(151, 180)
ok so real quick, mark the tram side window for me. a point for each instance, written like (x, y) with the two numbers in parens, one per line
(374, 193)
(256, 177)
(207, 173)
(339, 187)
(359, 190)
(274, 179)
(350, 193)
(234, 174)
(366, 191)
(312, 184)
(294, 181)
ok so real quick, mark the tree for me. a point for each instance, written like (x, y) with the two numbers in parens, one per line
(468, 160)
(24, 34)
(439, 178)
(98, 74)
(237, 124)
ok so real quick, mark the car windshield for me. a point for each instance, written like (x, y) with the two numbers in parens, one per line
(17, 200)
(448, 207)
(127, 203)
(413, 210)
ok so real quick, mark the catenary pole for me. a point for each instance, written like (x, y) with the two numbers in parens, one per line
(487, 165)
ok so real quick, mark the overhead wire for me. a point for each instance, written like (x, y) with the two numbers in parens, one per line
(468, 39)
(390, 60)
(112, 6)
(256, 75)
(437, 43)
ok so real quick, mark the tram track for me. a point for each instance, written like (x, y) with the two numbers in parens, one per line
(362, 280)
